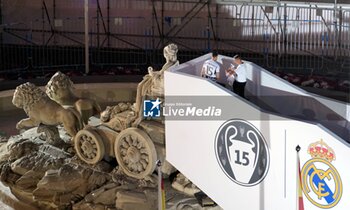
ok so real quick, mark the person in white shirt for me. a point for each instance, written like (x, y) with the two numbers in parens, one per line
(211, 69)
(239, 75)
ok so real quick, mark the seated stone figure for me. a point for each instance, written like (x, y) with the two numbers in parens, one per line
(42, 110)
(60, 89)
(152, 84)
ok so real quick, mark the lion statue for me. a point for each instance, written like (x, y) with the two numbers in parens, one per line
(60, 89)
(42, 110)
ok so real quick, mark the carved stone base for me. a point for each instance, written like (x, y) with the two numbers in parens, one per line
(51, 135)
(50, 178)
(182, 184)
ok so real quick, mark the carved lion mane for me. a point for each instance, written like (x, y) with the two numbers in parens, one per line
(27, 95)
(59, 82)
(42, 110)
(60, 89)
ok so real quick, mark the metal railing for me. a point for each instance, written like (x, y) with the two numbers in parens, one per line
(303, 39)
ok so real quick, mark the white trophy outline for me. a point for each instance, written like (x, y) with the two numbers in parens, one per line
(230, 138)
(251, 142)
(257, 154)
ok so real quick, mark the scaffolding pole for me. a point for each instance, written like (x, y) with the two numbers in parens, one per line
(86, 18)
(1, 29)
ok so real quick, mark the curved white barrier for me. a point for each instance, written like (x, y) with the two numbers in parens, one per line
(246, 158)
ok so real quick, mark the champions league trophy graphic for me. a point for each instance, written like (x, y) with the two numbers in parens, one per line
(242, 158)
(242, 152)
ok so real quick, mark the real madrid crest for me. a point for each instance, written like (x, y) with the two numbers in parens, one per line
(242, 152)
(320, 179)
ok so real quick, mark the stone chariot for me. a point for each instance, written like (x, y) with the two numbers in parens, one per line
(135, 142)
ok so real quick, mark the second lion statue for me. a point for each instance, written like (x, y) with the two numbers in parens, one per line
(60, 89)
(42, 110)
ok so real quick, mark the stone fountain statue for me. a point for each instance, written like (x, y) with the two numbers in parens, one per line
(51, 178)
(152, 84)
(60, 89)
(42, 110)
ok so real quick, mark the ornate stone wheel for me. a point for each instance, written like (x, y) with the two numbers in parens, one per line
(135, 153)
(89, 146)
